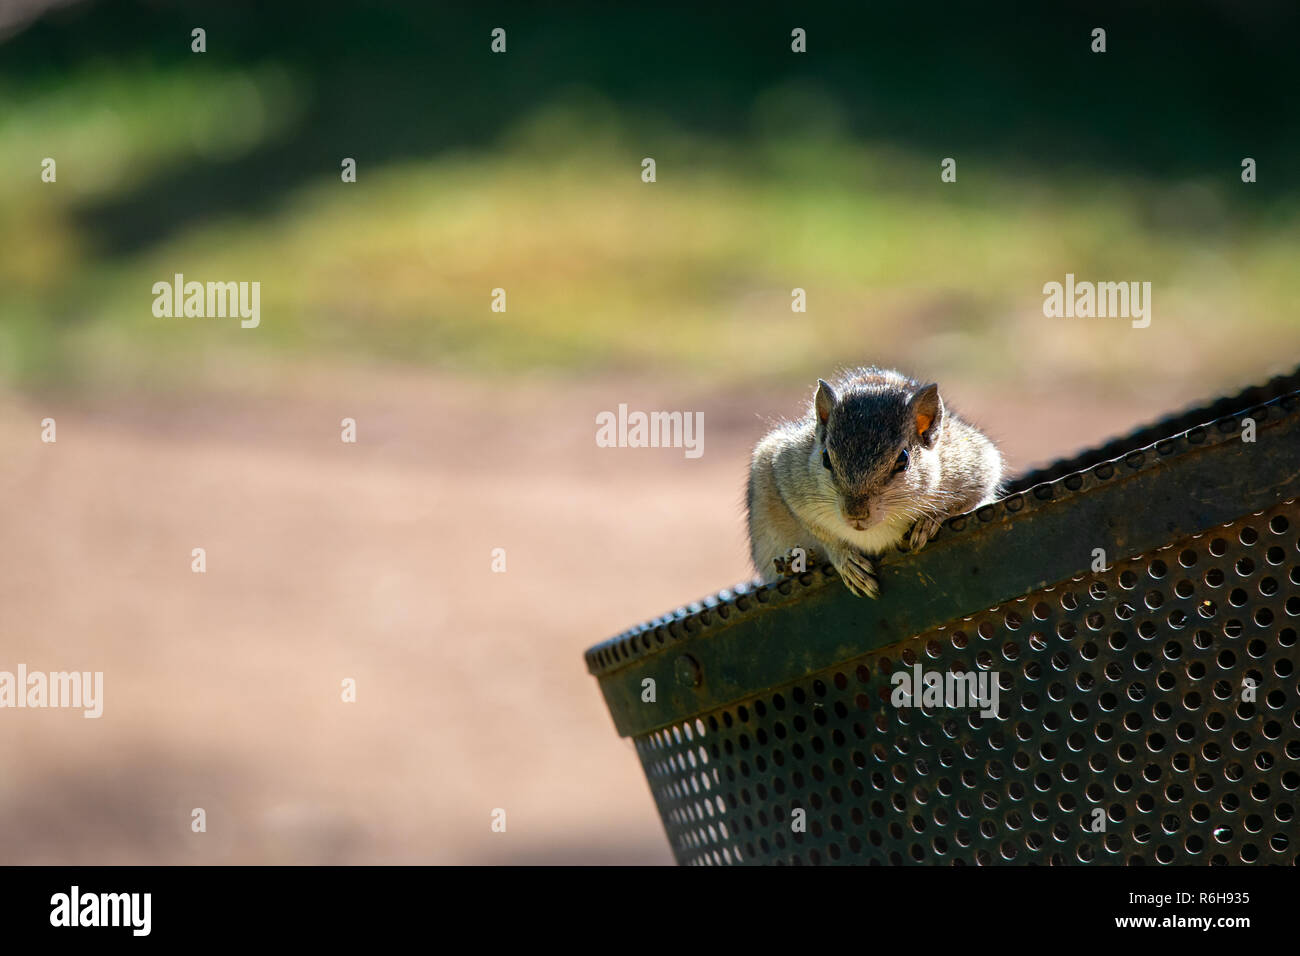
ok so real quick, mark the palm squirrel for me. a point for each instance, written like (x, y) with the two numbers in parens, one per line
(877, 459)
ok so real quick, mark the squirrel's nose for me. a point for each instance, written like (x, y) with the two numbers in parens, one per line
(856, 510)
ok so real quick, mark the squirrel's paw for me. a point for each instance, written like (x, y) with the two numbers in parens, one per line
(922, 531)
(858, 572)
(795, 561)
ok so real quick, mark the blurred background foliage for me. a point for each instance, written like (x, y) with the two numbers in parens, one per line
(775, 171)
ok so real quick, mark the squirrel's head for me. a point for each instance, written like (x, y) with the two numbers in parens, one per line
(876, 448)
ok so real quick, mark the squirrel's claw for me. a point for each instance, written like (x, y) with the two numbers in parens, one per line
(922, 531)
(858, 572)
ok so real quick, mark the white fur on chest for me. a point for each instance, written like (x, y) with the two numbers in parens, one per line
(874, 540)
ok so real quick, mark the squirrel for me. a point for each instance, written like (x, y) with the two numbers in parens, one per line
(877, 460)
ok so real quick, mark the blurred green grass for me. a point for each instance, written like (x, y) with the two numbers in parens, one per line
(604, 274)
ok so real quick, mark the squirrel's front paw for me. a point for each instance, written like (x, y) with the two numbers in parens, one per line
(858, 572)
(922, 531)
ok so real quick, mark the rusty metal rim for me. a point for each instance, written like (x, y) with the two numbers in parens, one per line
(1026, 493)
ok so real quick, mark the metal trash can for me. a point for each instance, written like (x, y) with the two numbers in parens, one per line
(1129, 616)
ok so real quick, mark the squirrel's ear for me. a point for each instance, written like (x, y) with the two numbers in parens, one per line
(927, 409)
(824, 401)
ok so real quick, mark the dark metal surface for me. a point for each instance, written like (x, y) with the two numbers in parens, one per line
(1122, 731)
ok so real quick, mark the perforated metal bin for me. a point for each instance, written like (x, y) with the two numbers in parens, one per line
(1124, 731)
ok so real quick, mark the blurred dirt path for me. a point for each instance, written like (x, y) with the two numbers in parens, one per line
(371, 561)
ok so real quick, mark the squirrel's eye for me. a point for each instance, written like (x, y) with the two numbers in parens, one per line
(903, 460)
(826, 459)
